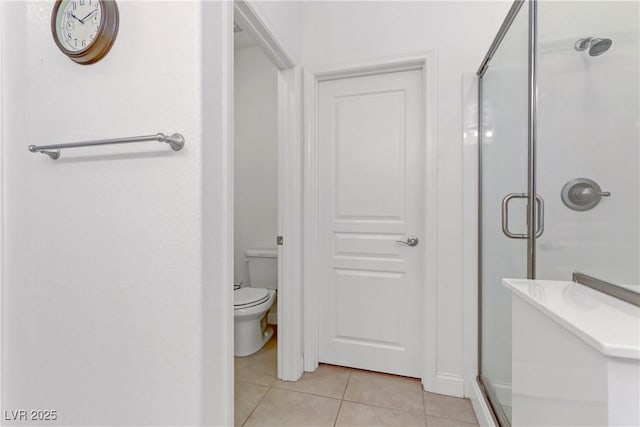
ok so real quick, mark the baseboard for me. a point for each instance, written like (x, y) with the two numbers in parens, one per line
(481, 407)
(293, 373)
(450, 385)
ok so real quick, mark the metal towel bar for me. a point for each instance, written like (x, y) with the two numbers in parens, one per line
(176, 141)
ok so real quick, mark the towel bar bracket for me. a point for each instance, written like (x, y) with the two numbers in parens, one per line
(54, 154)
(175, 141)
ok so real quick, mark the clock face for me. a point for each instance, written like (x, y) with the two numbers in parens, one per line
(78, 23)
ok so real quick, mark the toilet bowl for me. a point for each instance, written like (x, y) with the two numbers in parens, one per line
(252, 303)
(250, 315)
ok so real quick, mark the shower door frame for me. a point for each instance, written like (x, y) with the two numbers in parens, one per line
(487, 392)
(2, 192)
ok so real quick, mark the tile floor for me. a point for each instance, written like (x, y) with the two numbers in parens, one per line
(337, 396)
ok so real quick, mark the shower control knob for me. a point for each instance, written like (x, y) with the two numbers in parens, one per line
(587, 194)
(582, 194)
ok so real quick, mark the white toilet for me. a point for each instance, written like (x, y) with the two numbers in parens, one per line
(251, 303)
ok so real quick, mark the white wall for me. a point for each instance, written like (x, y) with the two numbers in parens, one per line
(588, 127)
(256, 155)
(461, 32)
(105, 285)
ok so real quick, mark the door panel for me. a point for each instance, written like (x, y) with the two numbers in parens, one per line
(370, 149)
(369, 127)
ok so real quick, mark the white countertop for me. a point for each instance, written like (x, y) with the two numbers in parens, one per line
(608, 324)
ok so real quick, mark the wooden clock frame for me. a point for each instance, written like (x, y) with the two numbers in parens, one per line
(107, 32)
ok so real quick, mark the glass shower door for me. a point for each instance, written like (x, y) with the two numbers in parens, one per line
(504, 157)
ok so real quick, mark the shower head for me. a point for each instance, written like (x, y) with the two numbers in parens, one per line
(595, 45)
(599, 46)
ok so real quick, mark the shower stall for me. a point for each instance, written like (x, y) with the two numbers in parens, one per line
(559, 194)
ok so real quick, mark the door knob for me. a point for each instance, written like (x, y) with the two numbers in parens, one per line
(411, 241)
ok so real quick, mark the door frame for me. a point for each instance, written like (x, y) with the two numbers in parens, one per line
(290, 366)
(426, 63)
(2, 192)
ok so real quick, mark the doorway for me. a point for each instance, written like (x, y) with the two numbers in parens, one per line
(255, 205)
(267, 190)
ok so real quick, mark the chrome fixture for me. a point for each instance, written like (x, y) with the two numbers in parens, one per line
(538, 228)
(582, 194)
(595, 45)
(175, 141)
(411, 241)
(608, 288)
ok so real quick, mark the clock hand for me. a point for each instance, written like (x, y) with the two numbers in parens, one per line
(91, 13)
(76, 18)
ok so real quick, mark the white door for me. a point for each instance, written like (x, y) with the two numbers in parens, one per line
(370, 197)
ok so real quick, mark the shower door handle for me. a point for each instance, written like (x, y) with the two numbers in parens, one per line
(540, 216)
(505, 216)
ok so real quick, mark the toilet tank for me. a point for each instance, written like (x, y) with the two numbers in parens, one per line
(263, 268)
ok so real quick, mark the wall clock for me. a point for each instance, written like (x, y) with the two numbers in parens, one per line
(84, 30)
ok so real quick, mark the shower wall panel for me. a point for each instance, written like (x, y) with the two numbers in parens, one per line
(588, 128)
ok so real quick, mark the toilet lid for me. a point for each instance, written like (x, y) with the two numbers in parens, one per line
(249, 296)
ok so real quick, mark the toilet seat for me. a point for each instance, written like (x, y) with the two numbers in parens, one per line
(249, 297)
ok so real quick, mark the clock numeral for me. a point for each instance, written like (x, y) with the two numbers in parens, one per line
(81, 2)
(84, 43)
(91, 37)
(69, 36)
(75, 42)
(75, 5)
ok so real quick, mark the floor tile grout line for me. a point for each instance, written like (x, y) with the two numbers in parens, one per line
(252, 383)
(342, 399)
(424, 405)
(344, 392)
(269, 387)
(442, 417)
(259, 402)
(461, 423)
(383, 407)
(304, 392)
(424, 408)
(274, 385)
